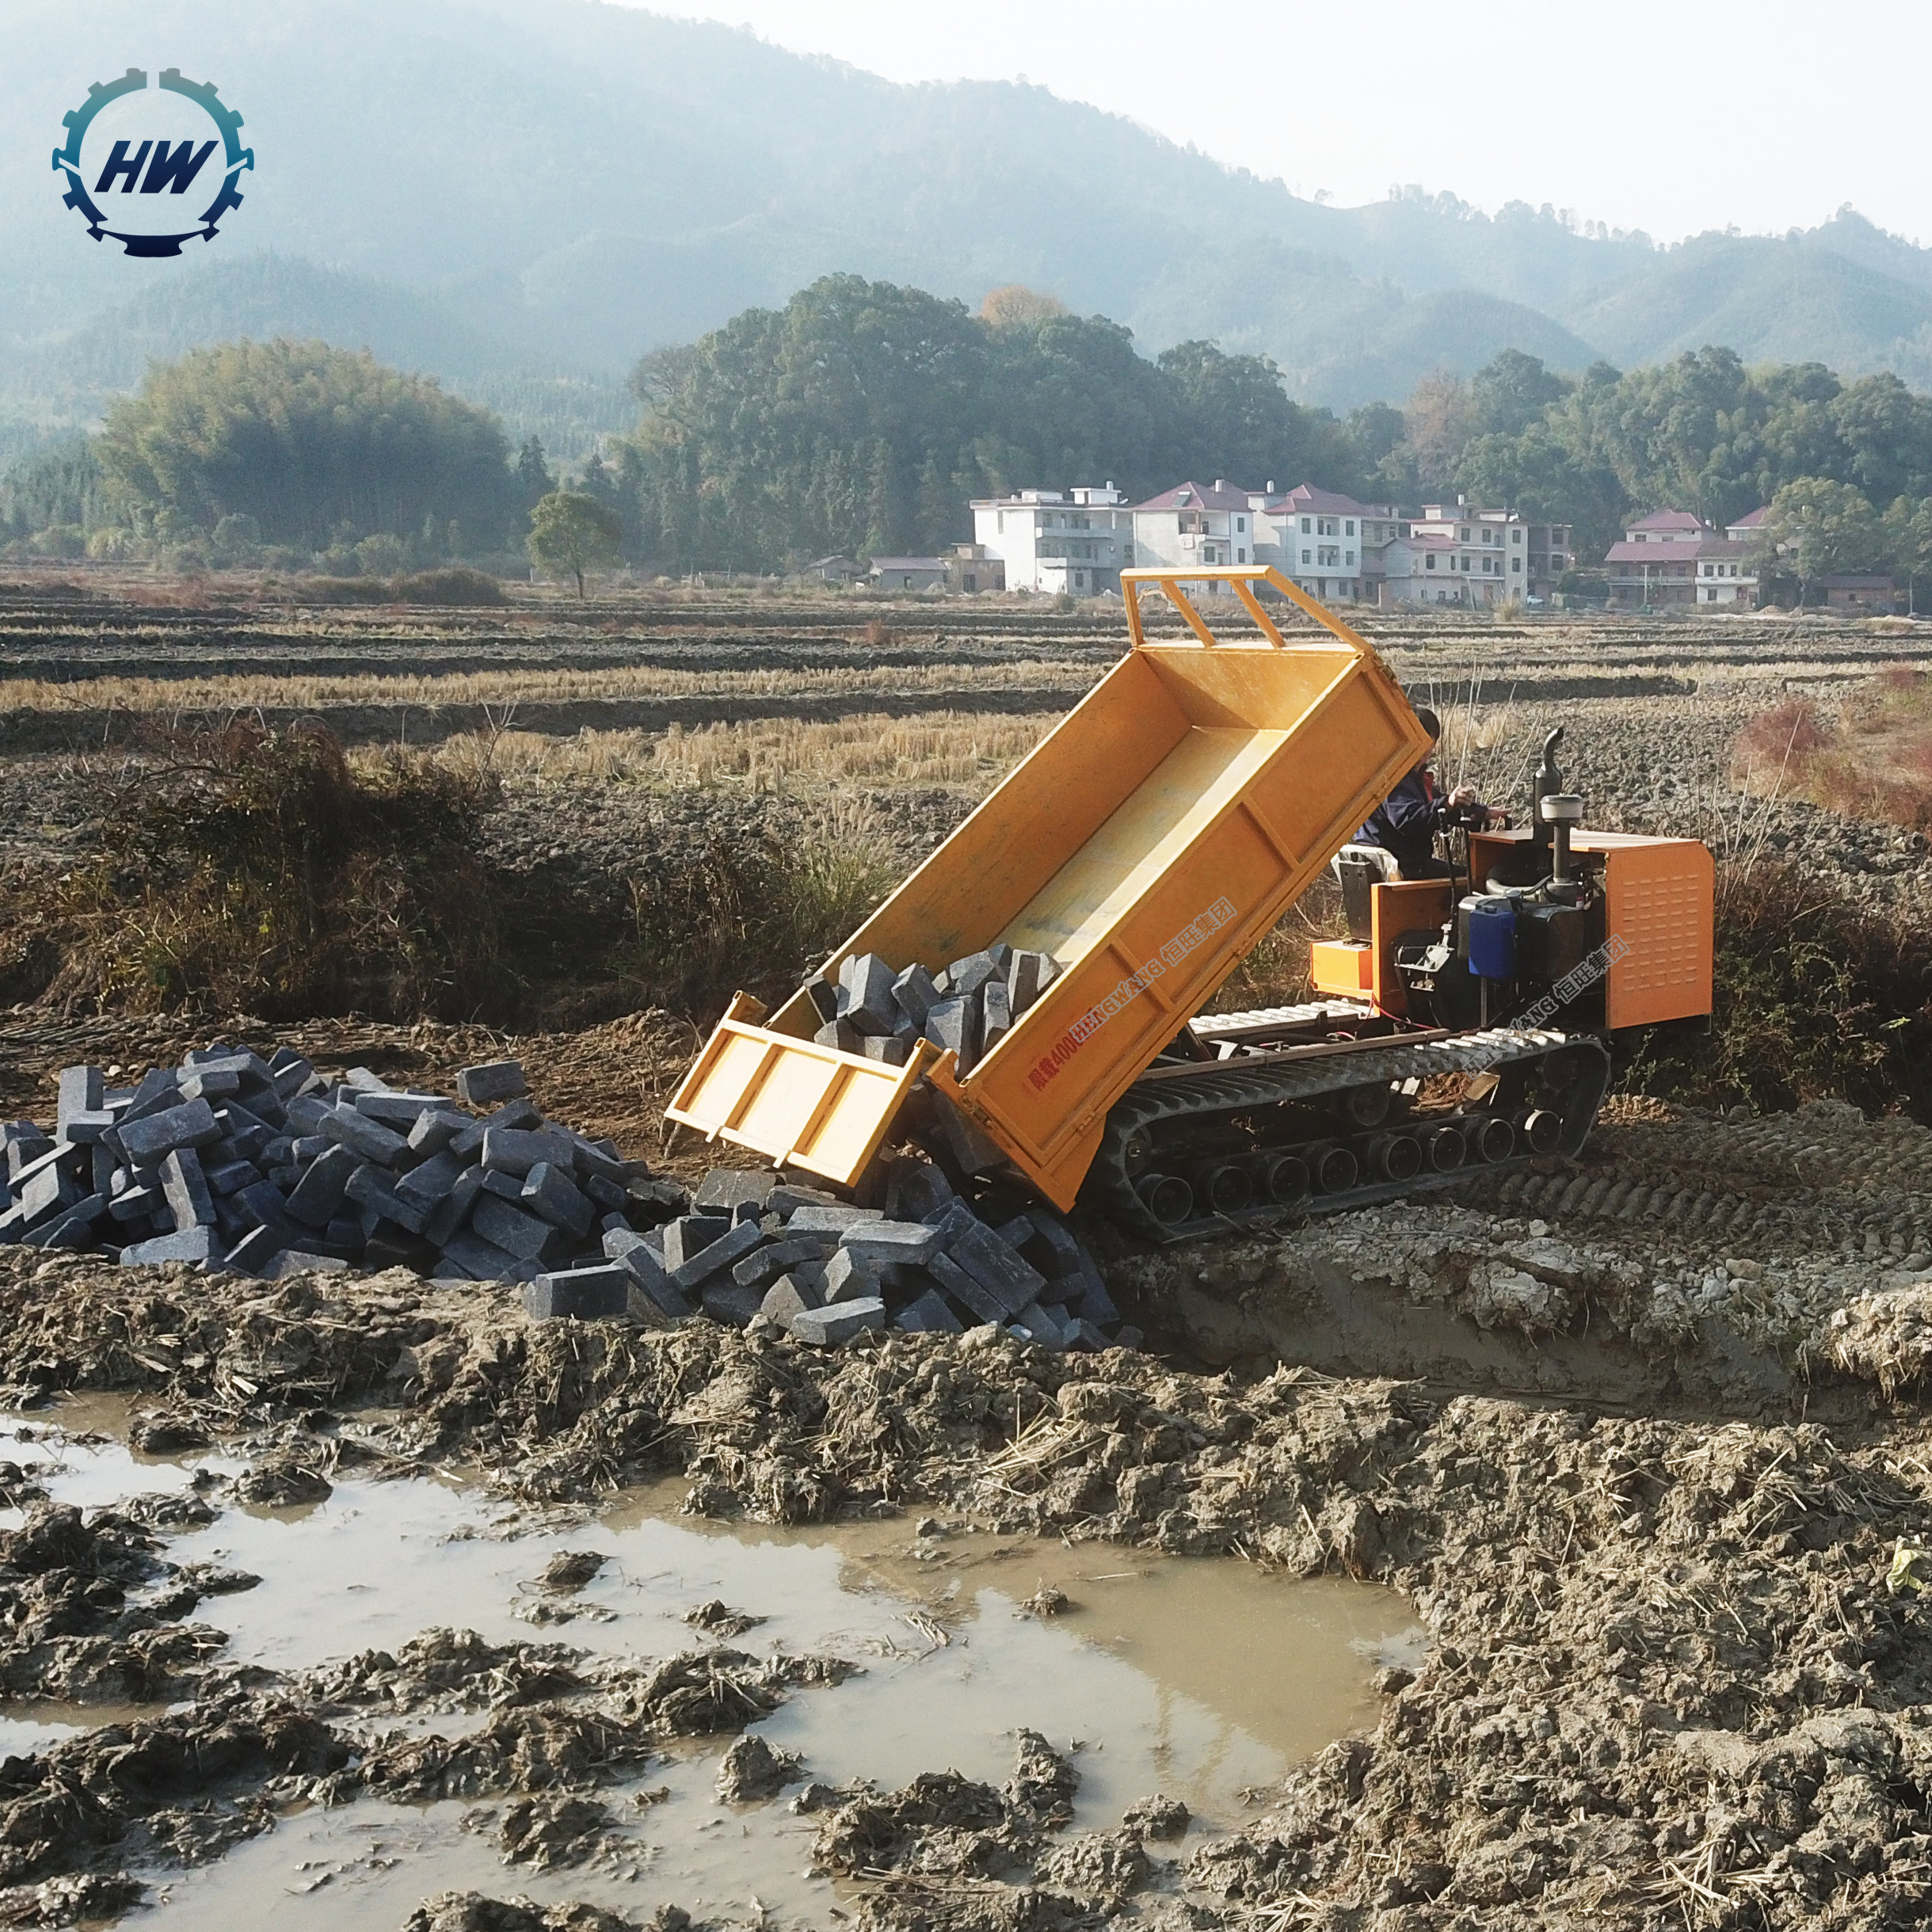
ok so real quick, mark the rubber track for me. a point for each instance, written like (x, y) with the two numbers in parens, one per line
(1235, 1087)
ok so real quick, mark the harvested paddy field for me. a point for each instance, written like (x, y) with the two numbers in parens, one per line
(1538, 1552)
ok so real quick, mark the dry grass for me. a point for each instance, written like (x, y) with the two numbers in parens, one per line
(944, 748)
(1875, 763)
(504, 690)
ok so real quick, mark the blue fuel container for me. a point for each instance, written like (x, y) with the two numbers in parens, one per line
(1493, 938)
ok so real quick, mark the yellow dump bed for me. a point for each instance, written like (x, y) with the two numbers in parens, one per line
(1148, 841)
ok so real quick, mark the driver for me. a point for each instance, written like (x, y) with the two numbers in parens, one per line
(1404, 822)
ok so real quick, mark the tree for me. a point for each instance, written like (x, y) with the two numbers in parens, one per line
(1014, 304)
(533, 473)
(1440, 422)
(312, 442)
(1513, 392)
(571, 533)
(1818, 525)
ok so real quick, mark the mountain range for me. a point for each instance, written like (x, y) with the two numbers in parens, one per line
(522, 196)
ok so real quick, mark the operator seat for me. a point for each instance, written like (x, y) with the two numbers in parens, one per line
(1358, 869)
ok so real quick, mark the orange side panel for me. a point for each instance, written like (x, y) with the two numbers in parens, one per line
(1346, 967)
(1661, 898)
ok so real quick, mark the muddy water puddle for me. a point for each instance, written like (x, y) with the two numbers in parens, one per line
(1198, 1679)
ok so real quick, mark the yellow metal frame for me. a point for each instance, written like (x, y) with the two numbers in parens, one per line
(1147, 842)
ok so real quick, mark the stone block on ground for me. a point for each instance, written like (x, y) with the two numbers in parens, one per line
(847, 1278)
(516, 1150)
(1012, 1280)
(689, 1235)
(74, 1226)
(832, 1218)
(369, 1187)
(253, 1252)
(303, 1261)
(965, 1292)
(146, 1142)
(595, 1294)
(83, 1092)
(369, 1139)
(1041, 1327)
(186, 1191)
(185, 1244)
(915, 1189)
(837, 1322)
(480, 1260)
(491, 1082)
(318, 1194)
(725, 1188)
(400, 1111)
(524, 1236)
(786, 1298)
(517, 1116)
(764, 1265)
(716, 1258)
(549, 1191)
(434, 1129)
(929, 1315)
(725, 1302)
(873, 1242)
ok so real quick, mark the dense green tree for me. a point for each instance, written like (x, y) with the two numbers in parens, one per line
(1513, 393)
(314, 443)
(571, 533)
(61, 488)
(1817, 526)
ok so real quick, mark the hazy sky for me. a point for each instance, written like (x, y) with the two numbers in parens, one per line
(1675, 119)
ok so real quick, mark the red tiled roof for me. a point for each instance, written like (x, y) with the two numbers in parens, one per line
(1199, 497)
(1753, 520)
(1669, 519)
(1305, 496)
(1681, 550)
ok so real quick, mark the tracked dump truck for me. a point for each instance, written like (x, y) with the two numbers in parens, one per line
(1029, 1003)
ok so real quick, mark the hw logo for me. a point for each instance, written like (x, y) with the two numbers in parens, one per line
(132, 159)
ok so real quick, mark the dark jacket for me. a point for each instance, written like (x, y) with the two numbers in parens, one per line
(1405, 824)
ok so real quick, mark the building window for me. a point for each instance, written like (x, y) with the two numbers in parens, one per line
(1515, 536)
(1515, 563)
(1348, 529)
(1350, 559)
(1308, 556)
(1463, 535)
(1428, 563)
(1240, 522)
(1242, 557)
(1306, 527)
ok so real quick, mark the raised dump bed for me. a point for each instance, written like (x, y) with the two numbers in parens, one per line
(1147, 843)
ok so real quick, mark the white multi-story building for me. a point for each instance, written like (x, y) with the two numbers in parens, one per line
(1192, 526)
(1673, 557)
(1075, 542)
(1331, 546)
(1458, 554)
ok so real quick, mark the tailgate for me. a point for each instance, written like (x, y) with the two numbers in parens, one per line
(800, 1104)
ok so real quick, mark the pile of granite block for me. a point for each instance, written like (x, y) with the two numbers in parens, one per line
(967, 1009)
(757, 1245)
(262, 1167)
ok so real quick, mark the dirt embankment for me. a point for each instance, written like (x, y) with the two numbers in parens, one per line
(1668, 1676)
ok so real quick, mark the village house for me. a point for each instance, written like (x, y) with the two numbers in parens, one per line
(1674, 557)
(1074, 542)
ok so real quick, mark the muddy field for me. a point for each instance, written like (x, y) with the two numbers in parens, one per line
(1539, 1554)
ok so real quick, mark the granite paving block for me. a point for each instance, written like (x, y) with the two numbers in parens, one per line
(725, 1302)
(446, 1215)
(953, 1026)
(146, 1142)
(847, 1278)
(435, 1130)
(829, 1217)
(875, 1241)
(370, 1187)
(400, 1110)
(716, 1257)
(186, 1189)
(525, 1237)
(595, 1294)
(689, 1235)
(185, 1244)
(838, 1322)
(865, 984)
(929, 1315)
(517, 1116)
(481, 1261)
(725, 1188)
(1008, 1278)
(965, 1291)
(432, 1180)
(369, 1140)
(491, 1082)
(995, 1015)
(303, 1261)
(763, 1266)
(786, 1298)
(516, 1150)
(549, 1191)
(318, 1194)
(915, 995)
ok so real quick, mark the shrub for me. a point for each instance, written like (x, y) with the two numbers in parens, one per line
(343, 590)
(255, 871)
(455, 586)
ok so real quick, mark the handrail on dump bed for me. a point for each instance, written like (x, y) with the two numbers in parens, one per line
(1169, 578)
